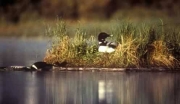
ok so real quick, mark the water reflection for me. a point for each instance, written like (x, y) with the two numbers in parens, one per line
(18, 51)
(31, 89)
(105, 91)
(89, 88)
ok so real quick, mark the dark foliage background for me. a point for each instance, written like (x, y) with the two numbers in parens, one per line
(13, 10)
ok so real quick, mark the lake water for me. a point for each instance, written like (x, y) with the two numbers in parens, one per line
(19, 51)
(20, 87)
(89, 88)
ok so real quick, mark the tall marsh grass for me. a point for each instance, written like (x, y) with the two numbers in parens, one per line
(139, 45)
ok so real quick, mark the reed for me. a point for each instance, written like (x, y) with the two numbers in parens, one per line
(138, 46)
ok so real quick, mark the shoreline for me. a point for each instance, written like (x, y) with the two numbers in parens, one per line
(100, 69)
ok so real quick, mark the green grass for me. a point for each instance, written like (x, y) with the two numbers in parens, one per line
(147, 44)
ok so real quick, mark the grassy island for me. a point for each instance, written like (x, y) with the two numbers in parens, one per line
(148, 44)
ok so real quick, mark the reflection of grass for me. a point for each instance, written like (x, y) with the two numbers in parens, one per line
(140, 45)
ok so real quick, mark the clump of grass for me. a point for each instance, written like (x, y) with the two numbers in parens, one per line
(76, 50)
(60, 51)
(126, 53)
(160, 56)
(137, 47)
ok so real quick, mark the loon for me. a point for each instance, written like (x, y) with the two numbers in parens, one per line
(43, 66)
(105, 46)
(37, 66)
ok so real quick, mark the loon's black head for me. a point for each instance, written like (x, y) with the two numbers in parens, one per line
(102, 36)
(105, 46)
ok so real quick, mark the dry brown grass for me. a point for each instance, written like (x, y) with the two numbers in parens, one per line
(59, 51)
(160, 55)
(126, 53)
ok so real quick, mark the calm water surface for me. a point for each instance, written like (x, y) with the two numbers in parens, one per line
(19, 51)
(89, 88)
(78, 87)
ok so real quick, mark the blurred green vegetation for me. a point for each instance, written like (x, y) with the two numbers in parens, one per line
(29, 17)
